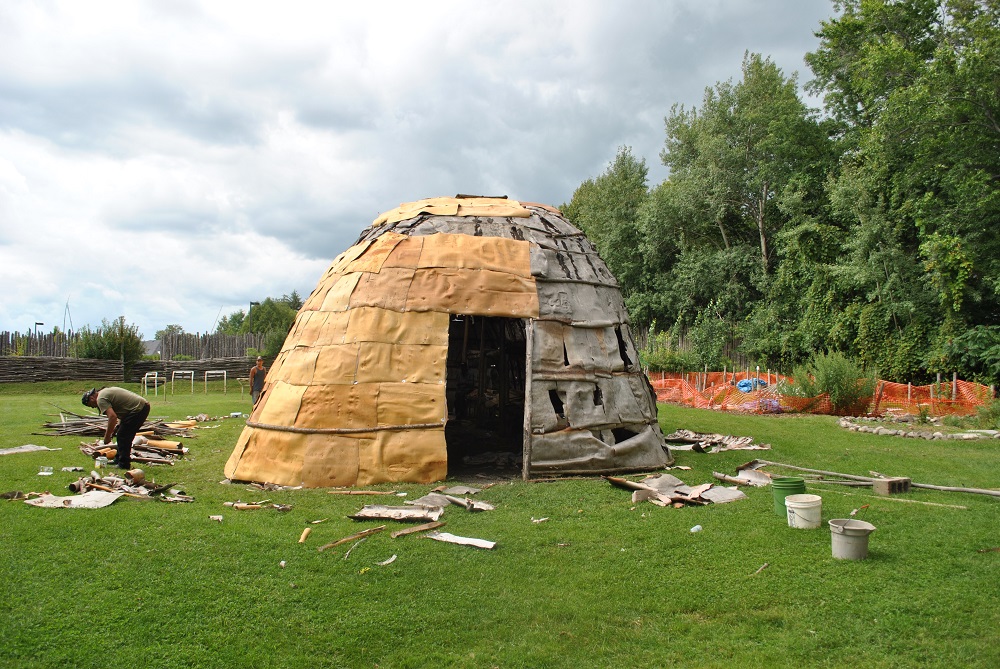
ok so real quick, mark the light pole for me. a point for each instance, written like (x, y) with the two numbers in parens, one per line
(37, 347)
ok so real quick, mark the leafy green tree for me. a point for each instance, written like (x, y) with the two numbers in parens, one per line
(607, 208)
(169, 331)
(977, 352)
(232, 323)
(745, 165)
(293, 300)
(660, 231)
(709, 336)
(741, 150)
(114, 340)
(868, 233)
(271, 317)
(912, 85)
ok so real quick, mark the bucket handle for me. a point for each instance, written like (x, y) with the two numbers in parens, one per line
(795, 513)
(839, 529)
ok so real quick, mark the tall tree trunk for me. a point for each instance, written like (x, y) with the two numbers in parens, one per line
(760, 227)
(725, 239)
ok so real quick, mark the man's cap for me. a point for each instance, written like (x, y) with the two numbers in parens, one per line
(260, 357)
(87, 395)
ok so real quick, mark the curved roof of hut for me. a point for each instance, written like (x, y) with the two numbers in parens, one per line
(357, 394)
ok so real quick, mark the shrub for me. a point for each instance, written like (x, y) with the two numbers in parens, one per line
(668, 360)
(989, 416)
(660, 355)
(113, 340)
(709, 338)
(849, 385)
(273, 342)
(182, 357)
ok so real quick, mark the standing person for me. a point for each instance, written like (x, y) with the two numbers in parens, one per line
(124, 409)
(257, 380)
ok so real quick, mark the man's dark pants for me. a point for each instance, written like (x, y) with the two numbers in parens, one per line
(129, 425)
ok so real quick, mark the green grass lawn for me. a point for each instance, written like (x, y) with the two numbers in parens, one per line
(602, 583)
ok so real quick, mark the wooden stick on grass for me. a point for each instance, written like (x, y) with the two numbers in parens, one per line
(417, 528)
(358, 535)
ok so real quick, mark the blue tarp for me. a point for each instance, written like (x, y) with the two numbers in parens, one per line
(748, 385)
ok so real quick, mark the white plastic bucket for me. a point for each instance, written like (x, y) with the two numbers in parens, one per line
(850, 538)
(804, 511)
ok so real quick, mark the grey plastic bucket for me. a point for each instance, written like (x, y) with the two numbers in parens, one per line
(850, 538)
(804, 511)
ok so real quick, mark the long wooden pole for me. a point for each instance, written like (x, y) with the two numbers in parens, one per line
(928, 486)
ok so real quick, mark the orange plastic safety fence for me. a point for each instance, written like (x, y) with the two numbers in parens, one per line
(718, 390)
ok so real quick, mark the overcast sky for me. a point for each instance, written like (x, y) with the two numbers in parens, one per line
(170, 161)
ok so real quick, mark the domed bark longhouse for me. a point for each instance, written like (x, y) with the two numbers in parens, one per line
(455, 329)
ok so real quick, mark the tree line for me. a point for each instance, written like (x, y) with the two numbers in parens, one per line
(271, 318)
(866, 228)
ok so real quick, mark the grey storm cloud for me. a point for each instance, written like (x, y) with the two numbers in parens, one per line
(247, 145)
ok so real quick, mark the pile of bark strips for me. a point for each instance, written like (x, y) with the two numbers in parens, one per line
(667, 490)
(686, 440)
(72, 424)
(426, 511)
(145, 449)
(130, 484)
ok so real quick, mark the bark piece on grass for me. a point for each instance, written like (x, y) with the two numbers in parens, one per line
(93, 499)
(461, 490)
(27, 448)
(722, 495)
(463, 541)
(659, 499)
(417, 528)
(419, 514)
(431, 499)
(468, 504)
(750, 477)
(361, 492)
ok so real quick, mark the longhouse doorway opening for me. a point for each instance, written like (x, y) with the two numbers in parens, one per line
(485, 395)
